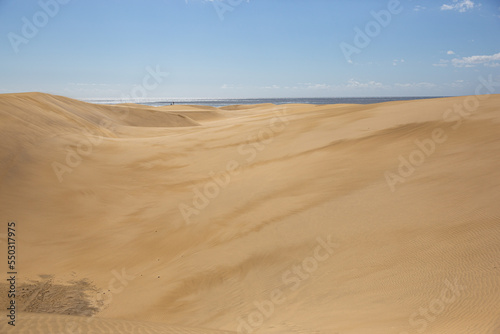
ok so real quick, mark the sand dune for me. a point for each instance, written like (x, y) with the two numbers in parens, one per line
(326, 219)
(54, 323)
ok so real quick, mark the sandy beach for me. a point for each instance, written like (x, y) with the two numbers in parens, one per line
(267, 218)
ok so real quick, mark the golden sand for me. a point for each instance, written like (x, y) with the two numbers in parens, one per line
(327, 219)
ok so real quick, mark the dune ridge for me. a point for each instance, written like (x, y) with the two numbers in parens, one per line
(327, 219)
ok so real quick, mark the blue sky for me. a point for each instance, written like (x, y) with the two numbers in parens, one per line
(244, 49)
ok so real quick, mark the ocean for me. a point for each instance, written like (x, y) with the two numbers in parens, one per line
(157, 102)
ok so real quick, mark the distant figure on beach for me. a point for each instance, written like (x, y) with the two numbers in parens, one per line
(172, 103)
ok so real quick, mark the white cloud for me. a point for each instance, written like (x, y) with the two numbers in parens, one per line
(312, 86)
(457, 83)
(416, 85)
(318, 86)
(374, 87)
(490, 61)
(492, 65)
(271, 87)
(459, 5)
(450, 52)
(396, 61)
(418, 8)
(442, 63)
(371, 84)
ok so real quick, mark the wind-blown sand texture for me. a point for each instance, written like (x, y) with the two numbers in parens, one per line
(264, 219)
